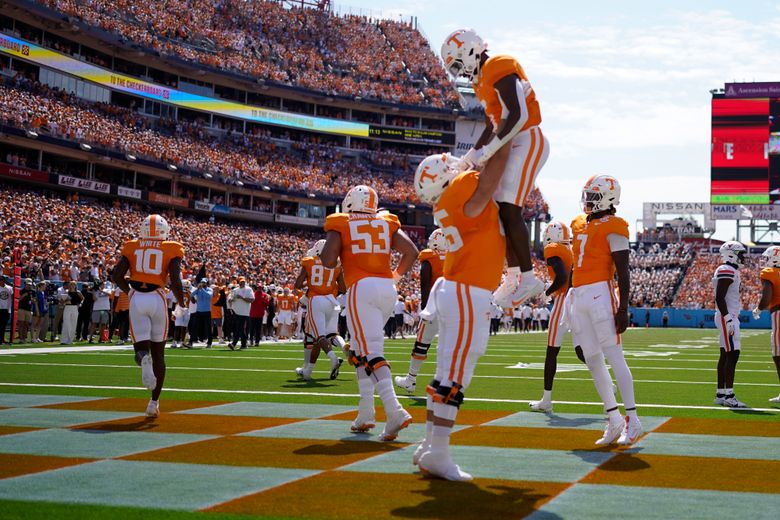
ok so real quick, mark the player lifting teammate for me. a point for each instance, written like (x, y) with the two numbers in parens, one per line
(558, 255)
(321, 325)
(770, 299)
(431, 269)
(461, 302)
(364, 239)
(596, 316)
(512, 119)
(150, 261)
(726, 283)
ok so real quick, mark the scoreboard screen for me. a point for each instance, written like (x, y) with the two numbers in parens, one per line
(745, 151)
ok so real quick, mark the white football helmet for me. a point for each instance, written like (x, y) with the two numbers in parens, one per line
(600, 193)
(733, 252)
(771, 256)
(462, 53)
(316, 249)
(360, 199)
(155, 227)
(432, 175)
(557, 233)
(438, 241)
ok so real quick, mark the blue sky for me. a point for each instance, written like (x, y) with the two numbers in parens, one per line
(623, 86)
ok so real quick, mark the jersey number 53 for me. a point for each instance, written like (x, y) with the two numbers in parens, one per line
(369, 236)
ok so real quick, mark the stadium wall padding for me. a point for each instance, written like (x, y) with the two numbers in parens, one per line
(697, 318)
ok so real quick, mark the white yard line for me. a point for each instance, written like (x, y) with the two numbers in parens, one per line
(355, 396)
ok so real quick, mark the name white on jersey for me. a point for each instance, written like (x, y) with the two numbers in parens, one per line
(727, 272)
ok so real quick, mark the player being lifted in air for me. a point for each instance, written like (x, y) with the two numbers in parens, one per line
(149, 262)
(770, 299)
(363, 239)
(596, 315)
(726, 283)
(512, 119)
(321, 325)
(558, 255)
(431, 269)
(461, 301)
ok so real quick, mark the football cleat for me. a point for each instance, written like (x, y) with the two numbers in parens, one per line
(529, 287)
(334, 373)
(503, 295)
(407, 384)
(541, 406)
(774, 399)
(148, 378)
(612, 432)
(719, 400)
(153, 409)
(395, 423)
(422, 448)
(632, 432)
(363, 423)
(733, 402)
(441, 465)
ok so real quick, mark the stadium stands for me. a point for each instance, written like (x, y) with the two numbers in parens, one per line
(656, 272)
(696, 291)
(334, 55)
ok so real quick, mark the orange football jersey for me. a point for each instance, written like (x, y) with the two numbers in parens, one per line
(286, 303)
(494, 70)
(477, 245)
(772, 275)
(563, 252)
(590, 246)
(366, 241)
(149, 259)
(320, 281)
(436, 260)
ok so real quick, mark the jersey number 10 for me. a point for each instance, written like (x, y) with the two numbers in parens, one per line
(148, 261)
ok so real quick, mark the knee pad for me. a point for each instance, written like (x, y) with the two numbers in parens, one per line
(420, 350)
(336, 341)
(375, 364)
(308, 341)
(451, 395)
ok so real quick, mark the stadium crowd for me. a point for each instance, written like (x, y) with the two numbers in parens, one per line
(310, 48)
(696, 290)
(308, 166)
(656, 273)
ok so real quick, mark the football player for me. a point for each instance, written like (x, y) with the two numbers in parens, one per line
(558, 255)
(726, 283)
(321, 326)
(596, 315)
(364, 240)
(512, 119)
(286, 305)
(431, 269)
(461, 300)
(149, 262)
(770, 299)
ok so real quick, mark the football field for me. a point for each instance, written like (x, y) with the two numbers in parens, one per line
(240, 434)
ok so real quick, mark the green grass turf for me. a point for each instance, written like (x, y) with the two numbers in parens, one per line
(670, 367)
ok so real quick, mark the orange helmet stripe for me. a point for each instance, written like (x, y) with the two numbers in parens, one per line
(153, 226)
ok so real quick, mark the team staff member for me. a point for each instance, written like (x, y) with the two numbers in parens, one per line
(770, 299)
(241, 299)
(597, 319)
(6, 298)
(148, 262)
(462, 300)
(364, 238)
(202, 298)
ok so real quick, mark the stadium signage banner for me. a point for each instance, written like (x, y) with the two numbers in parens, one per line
(254, 215)
(129, 192)
(203, 206)
(412, 135)
(59, 62)
(20, 172)
(84, 184)
(753, 90)
(303, 221)
(169, 200)
(754, 211)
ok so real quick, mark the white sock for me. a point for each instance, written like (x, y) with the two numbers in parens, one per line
(440, 439)
(547, 396)
(721, 391)
(386, 390)
(513, 271)
(632, 414)
(414, 368)
(625, 380)
(729, 391)
(428, 424)
(366, 389)
(152, 401)
(334, 360)
(306, 357)
(603, 382)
